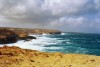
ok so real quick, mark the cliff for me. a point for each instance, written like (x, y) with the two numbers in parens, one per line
(33, 31)
(9, 36)
(12, 35)
(17, 57)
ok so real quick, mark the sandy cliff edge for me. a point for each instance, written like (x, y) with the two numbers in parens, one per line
(17, 57)
(32, 31)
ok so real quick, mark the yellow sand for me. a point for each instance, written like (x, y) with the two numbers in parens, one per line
(17, 57)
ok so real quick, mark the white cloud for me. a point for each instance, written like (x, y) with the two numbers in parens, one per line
(77, 24)
(73, 15)
(97, 3)
(64, 6)
(37, 8)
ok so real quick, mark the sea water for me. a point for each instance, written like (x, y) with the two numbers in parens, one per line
(77, 43)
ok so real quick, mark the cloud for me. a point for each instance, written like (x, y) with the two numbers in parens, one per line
(67, 15)
(97, 3)
(46, 8)
(61, 7)
(77, 24)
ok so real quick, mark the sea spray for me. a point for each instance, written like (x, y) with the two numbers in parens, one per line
(66, 43)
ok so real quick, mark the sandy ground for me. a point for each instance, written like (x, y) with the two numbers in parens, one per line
(17, 57)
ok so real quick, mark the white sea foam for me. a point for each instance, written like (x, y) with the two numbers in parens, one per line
(63, 33)
(37, 44)
(53, 48)
(45, 34)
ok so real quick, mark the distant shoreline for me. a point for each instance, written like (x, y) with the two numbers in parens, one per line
(12, 35)
(33, 31)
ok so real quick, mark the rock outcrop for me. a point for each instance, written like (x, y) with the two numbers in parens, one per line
(35, 31)
(21, 34)
(7, 36)
(10, 36)
(42, 31)
(28, 38)
(17, 57)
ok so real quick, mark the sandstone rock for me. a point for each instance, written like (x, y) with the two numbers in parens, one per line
(34, 31)
(21, 34)
(42, 31)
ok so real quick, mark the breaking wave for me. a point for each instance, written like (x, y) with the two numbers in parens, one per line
(66, 43)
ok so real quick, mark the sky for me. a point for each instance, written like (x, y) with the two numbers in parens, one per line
(63, 15)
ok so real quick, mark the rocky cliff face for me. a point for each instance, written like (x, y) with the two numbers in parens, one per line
(42, 31)
(17, 57)
(11, 36)
(7, 36)
(21, 34)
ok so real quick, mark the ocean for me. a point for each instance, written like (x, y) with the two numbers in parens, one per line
(77, 43)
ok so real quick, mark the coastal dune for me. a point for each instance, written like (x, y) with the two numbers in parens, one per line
(17, 57)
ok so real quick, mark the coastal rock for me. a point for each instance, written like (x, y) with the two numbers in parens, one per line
(7, 36)
(33, 31)
(57, 32)
(11, 36)
(21, 34)
(17, 57)
(31, 37)
(28, 38)
(42, 31)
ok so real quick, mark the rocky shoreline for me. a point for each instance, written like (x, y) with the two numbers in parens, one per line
(12, 35)
(17, 57)
(33, 31)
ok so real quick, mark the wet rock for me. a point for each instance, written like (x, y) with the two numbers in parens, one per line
(28, 38)
(31, 37)
(56, 32)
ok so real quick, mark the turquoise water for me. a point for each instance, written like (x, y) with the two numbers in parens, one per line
(75, 43)
(66, 42)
